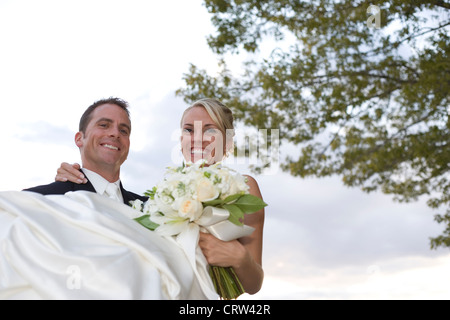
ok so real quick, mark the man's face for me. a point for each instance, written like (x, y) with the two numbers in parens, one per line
(106, 143)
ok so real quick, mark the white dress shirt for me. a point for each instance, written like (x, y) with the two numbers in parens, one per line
(100, 184)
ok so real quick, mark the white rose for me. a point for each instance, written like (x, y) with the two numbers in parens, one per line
(231, 184)
(206, 190)
(170, 186)
(190, 209)
(163, 202)
(238, 184)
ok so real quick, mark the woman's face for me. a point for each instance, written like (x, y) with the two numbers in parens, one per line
(201, 139)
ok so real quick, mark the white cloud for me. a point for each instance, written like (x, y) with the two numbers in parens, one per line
(422, 279)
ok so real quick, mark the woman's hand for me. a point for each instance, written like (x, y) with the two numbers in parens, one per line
(223, 254)
(233, 254)
(68, 172)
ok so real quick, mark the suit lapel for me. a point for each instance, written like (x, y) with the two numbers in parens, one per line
(84, 187)
(126, 195)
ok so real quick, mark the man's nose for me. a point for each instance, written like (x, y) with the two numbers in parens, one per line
(114, 132)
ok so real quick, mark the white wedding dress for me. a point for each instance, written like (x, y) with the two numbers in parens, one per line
(84, 246)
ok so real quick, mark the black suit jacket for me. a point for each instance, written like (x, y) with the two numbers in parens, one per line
(63, 187)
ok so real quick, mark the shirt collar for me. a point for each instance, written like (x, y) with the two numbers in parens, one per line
(98, 181)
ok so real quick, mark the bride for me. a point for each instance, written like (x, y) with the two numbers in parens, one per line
(207, 134)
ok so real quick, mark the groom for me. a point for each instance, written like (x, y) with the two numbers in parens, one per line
(104, 143)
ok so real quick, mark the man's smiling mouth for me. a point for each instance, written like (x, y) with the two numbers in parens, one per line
(110, 147)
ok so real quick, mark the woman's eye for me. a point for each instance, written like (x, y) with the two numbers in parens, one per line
(211, 131)
(187, 131)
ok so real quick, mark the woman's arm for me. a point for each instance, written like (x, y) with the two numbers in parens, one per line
(244, 254)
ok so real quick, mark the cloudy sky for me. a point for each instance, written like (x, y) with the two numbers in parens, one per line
(322, 240)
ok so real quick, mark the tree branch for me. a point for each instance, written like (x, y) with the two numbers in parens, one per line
(441, 3)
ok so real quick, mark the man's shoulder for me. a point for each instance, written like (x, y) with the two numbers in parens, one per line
(58, 188)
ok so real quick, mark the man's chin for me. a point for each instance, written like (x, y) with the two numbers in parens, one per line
(112, 163)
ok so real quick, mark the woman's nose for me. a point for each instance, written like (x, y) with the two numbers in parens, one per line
(197, 136)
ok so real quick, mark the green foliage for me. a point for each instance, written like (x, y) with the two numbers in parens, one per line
(371, 105)
(238, 205)
(151, 193)
(146, 222)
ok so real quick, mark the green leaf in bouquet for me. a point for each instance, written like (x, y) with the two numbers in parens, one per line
(151, 193)
(249, 203)
(207, 174)
(232, 198)
(147, 223)
(236, 214)
(213, 203)
(219, 202)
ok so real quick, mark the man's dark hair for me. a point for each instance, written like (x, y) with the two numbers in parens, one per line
(86, 118)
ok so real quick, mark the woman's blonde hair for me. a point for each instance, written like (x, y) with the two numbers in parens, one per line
(220, 114)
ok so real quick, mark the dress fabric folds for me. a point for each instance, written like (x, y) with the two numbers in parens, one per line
(84, 246)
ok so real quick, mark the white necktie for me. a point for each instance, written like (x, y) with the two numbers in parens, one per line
(112, 191)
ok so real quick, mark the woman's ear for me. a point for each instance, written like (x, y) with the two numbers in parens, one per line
(79, 139)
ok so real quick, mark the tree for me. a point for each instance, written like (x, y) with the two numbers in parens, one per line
(362, 92)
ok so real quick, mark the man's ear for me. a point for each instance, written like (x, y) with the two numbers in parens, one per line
(79, 139)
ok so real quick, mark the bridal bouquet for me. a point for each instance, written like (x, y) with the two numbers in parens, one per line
(211, 199)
